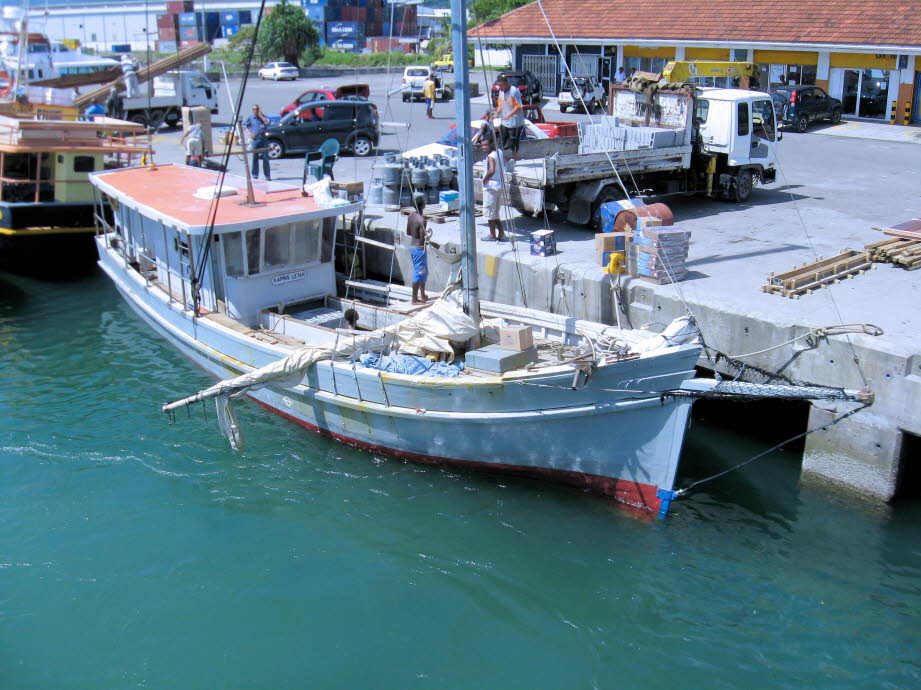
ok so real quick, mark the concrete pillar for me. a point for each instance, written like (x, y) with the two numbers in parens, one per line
(620, 56)
(679, 52)
(861, 452)
(823, 70)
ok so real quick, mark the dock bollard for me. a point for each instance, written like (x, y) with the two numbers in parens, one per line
(907, 120)
(892, 112)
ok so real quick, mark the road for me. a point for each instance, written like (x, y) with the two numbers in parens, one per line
(407, 126)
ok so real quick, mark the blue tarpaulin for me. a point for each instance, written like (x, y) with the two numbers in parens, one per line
(412, 365)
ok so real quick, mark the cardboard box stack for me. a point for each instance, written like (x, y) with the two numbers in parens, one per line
(658, 254)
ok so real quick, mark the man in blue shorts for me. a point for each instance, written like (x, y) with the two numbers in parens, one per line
(416, 228)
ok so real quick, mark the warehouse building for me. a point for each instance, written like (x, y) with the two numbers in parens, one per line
(865, 52)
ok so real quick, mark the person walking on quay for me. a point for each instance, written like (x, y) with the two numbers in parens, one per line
(508, 107)
(417, 229)
(194, 140)
(428, 92)
(256, 125)
(493, 189)
(115, 106)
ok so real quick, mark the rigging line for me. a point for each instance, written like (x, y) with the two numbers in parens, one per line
(685, 490)
(831, 297)
(199, 273)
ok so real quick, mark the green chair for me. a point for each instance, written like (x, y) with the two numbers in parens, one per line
(320, 162)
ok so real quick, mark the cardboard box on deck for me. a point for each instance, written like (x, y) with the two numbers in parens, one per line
(516, 338)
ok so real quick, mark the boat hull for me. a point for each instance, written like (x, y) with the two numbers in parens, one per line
(610, 435)
(47, 239)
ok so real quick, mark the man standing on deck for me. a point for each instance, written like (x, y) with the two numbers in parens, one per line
(493, 189)
(115, 106)
(428, 92)
(508, 107)
(416, 228)
(620, 76)
(256, 125)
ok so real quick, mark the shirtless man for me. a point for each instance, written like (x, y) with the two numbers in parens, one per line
(416, 227)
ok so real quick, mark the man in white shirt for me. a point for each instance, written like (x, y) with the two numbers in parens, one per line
(620, 76)
(493, 189)
(508, 107)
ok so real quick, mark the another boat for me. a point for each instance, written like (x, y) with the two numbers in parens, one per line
(46, 200)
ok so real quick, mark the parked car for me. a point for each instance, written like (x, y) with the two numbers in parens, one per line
(448, 142)
(354, 124)
(279, 70)
(551, 129)
(528, 86)
(800, 105)
(582, 92)
(352, 92)
(414, 77)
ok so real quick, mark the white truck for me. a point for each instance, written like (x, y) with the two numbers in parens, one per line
(414, 77)
(717, 142)
(171, 91)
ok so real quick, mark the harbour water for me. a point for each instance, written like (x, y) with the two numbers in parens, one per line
(138, 553)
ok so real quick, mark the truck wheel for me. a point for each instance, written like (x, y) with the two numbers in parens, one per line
(744, 183)
(609, 193)
(276, 149)
(156, 119)
(138, 119)
(802, 123)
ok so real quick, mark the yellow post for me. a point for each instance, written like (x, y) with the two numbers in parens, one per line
(907, 120)
(892, 113)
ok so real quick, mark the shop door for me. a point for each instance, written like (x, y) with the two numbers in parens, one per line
(916, 115)
(865, 93)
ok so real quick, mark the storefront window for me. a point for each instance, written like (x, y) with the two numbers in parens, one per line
(865, 92)
(645, 64)
(773, 76)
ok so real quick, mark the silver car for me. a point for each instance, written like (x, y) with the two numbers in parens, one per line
(279, 70)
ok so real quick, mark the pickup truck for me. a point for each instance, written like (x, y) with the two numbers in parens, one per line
(551, 129)
(716, 142)
(414, 77)
(171, 91)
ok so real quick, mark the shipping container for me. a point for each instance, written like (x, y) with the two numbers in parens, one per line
(209, 33)
(188, 43)
(212, 18)
(189, 19)
(353, 30)
(167, 21)
(121, 47)
(347, 45)
(246, 17)
(230, 18)
(168, 34)
(167, 46)
(180, 6)
(319, 13)
(229, 30)
(189, 32)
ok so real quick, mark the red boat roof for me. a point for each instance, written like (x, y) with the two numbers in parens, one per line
(166, 193)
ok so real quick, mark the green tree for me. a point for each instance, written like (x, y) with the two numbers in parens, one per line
(485, 10)
(287, 33)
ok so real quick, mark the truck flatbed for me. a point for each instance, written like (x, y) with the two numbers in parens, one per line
(581, 167)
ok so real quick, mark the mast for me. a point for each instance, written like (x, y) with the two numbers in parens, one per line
(465, 159)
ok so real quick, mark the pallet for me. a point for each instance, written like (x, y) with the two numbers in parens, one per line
(818, 274)
(434, 213)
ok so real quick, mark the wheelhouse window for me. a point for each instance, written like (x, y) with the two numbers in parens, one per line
(284, 246)
(744, 120)
(763, 118)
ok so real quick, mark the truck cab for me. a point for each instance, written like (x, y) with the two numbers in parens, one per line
(737, 129)
(191, 87)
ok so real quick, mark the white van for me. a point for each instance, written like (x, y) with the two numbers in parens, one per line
(414, 77)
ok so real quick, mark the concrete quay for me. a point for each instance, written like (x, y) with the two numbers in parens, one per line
(833, 186)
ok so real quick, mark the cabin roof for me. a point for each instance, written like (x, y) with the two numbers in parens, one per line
(166, 193)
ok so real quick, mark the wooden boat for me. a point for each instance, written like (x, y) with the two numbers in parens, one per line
(46, 200)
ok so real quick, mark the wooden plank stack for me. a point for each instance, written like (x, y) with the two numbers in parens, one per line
(904, 247)
(433, 213)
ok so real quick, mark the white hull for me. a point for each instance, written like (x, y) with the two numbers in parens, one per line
(624, 443)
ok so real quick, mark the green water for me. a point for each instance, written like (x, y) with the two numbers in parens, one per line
(134, 553)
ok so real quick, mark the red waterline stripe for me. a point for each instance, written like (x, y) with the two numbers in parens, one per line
(642, 496)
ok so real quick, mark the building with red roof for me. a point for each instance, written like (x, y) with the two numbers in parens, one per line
(866, 52)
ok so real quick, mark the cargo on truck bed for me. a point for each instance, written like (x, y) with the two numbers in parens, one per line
(717, 142)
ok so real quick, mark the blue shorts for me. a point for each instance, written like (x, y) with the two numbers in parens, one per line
(420, 264)
(429, 102)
